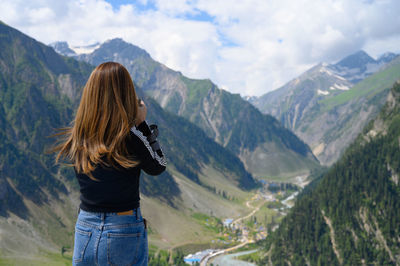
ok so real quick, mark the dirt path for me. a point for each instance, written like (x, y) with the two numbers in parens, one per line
(255, 209)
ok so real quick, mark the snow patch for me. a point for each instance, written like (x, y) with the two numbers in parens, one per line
(85, 49)
(339, 77)
(323, 69)
(339, 87)
(320, 92)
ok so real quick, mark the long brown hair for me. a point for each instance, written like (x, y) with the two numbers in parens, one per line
(107, 111)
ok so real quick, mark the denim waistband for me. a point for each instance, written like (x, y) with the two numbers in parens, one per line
(109, 220)
(136, 212)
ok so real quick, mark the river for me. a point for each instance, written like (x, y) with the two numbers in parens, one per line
(229, 259)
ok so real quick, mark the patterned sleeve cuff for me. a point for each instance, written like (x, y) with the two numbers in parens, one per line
(144, 128)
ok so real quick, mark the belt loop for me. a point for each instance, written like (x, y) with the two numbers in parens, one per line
(103, 216)
(136, 211)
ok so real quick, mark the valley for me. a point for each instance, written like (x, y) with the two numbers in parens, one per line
(223, 228)
(349, 214)
(241, 179)
(265, 210)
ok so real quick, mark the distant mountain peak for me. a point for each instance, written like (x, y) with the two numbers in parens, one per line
(356, 60)
(63, 48)
(119, 44)
(85, 49)
(387, 57)
(360, 65)
(105, 51)
(116, 40)
(119, 41)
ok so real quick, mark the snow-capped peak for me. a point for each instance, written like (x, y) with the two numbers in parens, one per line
(85, 49)
(68, 50)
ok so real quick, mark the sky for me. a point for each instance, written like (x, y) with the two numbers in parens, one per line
(248, 47)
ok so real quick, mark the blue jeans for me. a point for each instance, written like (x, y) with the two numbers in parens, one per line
(110, 239)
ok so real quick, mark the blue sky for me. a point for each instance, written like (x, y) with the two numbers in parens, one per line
(248, 47)
(143, 6)
(140, 5)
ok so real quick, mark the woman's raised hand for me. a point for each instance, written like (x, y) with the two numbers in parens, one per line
(142, 112)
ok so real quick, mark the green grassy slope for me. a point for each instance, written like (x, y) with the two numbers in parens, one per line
(368, 87)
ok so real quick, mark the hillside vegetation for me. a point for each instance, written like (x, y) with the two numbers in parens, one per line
(39, 91)
(227, 118)
(351, 215)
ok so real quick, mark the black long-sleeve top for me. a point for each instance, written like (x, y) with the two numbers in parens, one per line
(117, 190)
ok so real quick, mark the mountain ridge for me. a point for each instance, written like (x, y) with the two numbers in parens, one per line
(225, 117)
(320, 101)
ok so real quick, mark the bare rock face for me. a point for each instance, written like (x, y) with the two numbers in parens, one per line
(66, 87)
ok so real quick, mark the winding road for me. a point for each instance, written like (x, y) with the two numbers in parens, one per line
(244, 240)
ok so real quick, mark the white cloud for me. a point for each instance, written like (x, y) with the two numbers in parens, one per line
(249, 47)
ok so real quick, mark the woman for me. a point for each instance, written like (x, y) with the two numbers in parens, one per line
(109, 143)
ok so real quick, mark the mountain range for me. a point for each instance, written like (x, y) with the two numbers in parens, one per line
(39, 91)
(265, 147)
(328, 105)
(216, 143)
